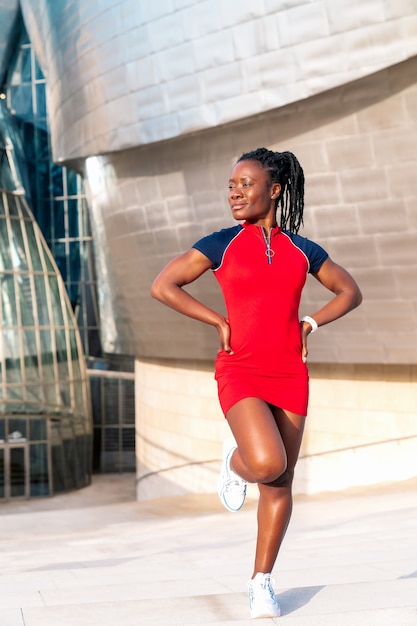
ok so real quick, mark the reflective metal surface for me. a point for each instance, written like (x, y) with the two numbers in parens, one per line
(9, 14)
(141, 72)
(159, 99)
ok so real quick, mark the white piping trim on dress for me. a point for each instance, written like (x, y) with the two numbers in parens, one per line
(299, 249)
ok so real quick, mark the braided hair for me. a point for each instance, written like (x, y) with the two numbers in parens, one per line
(283, 168)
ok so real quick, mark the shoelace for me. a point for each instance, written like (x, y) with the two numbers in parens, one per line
(235, 482)
(267, 585)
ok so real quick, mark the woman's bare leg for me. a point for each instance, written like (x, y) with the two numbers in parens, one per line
(268, 441)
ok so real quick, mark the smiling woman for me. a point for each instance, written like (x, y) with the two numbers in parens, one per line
(261, 368)
(281, 178)
(251, 194)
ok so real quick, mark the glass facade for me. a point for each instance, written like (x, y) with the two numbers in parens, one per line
(113, 400)
(45, 410)
(50, 310)
(45, 405)
(55, 194)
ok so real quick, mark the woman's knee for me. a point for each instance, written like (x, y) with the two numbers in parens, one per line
(267, 469)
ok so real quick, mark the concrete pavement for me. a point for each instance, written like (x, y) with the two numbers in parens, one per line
(97, 557)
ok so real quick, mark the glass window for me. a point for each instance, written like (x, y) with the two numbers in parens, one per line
(73, 182)
(43, 218)
(56, 301)
(28, 133)
(37, 429)
(111, 439)
(75, 356)
(128, 438)
(111, 401)
(38, 470)
(6, 179)
(47, 352)
(8, 300)
(84, 446)
(73, 290)
(38, 71)
(96, 388)
(31, 356)
(33, 247)
(68, 446)
(35, 395)
(17, 430)
(57, 182)
(13, 393)
(60, 256)
(74, 267)
(25, 297)
(65, 392)
(50, 392)
(40, 101)
(13, 206)
(41, 302)
(13, 375)
(17, 472)
(73, 219)
(11, 345)
(59, 219)
(79, 400)
(2, 474)
(22, 72)
(61, 346)
(5, 258)
(128, 400)
(20, 99)
(17, 248)
(58, 469)
(47, 260)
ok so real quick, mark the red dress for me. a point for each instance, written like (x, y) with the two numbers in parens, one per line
(262, 282)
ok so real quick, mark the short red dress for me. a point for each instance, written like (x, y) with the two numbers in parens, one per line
(262, 281)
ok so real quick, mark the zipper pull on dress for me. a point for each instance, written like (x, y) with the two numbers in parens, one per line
(269, 252)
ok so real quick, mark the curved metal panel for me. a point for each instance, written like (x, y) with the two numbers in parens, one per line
(9, 13)
(140, 72)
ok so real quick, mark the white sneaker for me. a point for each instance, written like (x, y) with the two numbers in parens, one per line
(262, 598)
(232, 488)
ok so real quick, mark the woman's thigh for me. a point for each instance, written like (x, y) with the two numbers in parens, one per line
(291, 428)
(266, 435)
(254, 427)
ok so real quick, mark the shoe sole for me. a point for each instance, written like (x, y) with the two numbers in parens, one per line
(220, 489)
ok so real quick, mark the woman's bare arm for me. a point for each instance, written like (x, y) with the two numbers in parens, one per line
(168, 289)
(347, 297)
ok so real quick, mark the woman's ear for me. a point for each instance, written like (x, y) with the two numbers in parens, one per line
(275, 191)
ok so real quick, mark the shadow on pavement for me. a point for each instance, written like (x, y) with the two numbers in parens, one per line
(293, 599)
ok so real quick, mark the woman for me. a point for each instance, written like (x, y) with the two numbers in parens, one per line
(261, 366)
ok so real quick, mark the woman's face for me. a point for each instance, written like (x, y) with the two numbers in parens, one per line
(252, 196)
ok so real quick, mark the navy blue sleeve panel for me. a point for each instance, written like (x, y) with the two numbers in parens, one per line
(315, 253)
(213, 246)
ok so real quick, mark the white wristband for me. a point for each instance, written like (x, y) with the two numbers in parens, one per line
(311, 321)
